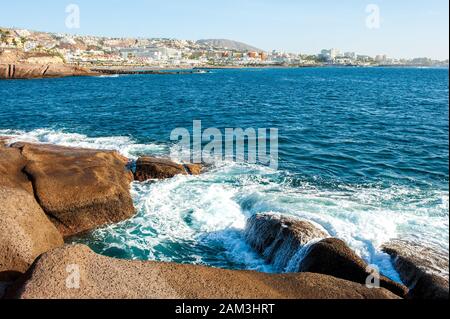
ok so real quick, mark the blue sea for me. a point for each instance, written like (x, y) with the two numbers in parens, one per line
(363, 153)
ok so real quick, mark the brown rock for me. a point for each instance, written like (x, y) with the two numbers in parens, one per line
(424, 269)
(25, 232)
(79, 189)
(11, 168)
(53, 276)
(278, 239)
(157, 168)
(3, 140)
(333, 257)
(35, 71)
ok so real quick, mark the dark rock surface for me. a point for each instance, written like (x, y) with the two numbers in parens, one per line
(148, 168)
(278, 238)
(333, 257)
(423, 269)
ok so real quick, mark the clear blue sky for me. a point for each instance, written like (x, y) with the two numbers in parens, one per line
(409, 28)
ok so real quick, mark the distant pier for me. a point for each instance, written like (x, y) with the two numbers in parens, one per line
(110, 71)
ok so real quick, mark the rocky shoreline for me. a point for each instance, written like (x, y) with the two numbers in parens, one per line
(41, 71)
(48, 193)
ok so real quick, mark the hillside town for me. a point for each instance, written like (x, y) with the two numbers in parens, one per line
(93, 51)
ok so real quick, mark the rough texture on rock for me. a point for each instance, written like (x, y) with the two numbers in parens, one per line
(3, 140)
(54, 276)
(25, 232)
(424, 269)
(79, 189)
(333, 257)
(11, 168)
(35, 71)
(157, 168)
(278, 239)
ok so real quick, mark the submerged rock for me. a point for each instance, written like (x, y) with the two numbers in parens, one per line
(94, 276)
(157, 168)
(35, 71)
(278, 239)
(424, 269)
(79, 189)
(333, 257)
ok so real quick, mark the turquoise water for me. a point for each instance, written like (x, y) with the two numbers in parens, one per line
(363, 153)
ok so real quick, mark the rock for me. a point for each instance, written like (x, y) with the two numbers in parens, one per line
(278, 239)
(44, 60)
(157, 168)
(11, 56)
(423, 269)
(25, 232)
(79, 189)
(75, 272)
(3, 140)
(12, 164)
(333, 257)
(35, 71)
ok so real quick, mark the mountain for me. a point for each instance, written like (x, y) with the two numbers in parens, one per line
(227, 45)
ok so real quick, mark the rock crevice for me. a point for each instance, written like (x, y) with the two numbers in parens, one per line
(424, 269)
(294, 245)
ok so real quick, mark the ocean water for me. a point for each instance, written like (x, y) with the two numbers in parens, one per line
(363, 153)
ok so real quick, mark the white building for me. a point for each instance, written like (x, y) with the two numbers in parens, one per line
(330, 55)
(350, 55)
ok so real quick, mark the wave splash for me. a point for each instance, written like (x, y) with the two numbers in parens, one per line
(201, 219)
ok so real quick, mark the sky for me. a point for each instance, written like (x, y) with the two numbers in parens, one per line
(397, 28)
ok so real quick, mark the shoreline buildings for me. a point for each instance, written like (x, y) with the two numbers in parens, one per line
(102, 51)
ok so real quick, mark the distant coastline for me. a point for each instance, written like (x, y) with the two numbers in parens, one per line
(20, 70)
(28, 54)
(21, 46)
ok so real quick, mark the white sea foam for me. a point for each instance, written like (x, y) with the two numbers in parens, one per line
(108, 76)
(123, 144)
(211, 210)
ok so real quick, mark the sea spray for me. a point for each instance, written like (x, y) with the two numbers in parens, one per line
(180, 220)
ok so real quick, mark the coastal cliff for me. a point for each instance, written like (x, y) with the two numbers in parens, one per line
(17, 64)
(37, 71)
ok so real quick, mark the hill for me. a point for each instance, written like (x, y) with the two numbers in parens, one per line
(227, 45)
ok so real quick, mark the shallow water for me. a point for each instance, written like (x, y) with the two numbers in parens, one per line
(363, 153)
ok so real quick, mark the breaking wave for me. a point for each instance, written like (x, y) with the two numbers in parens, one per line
(200, 219)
